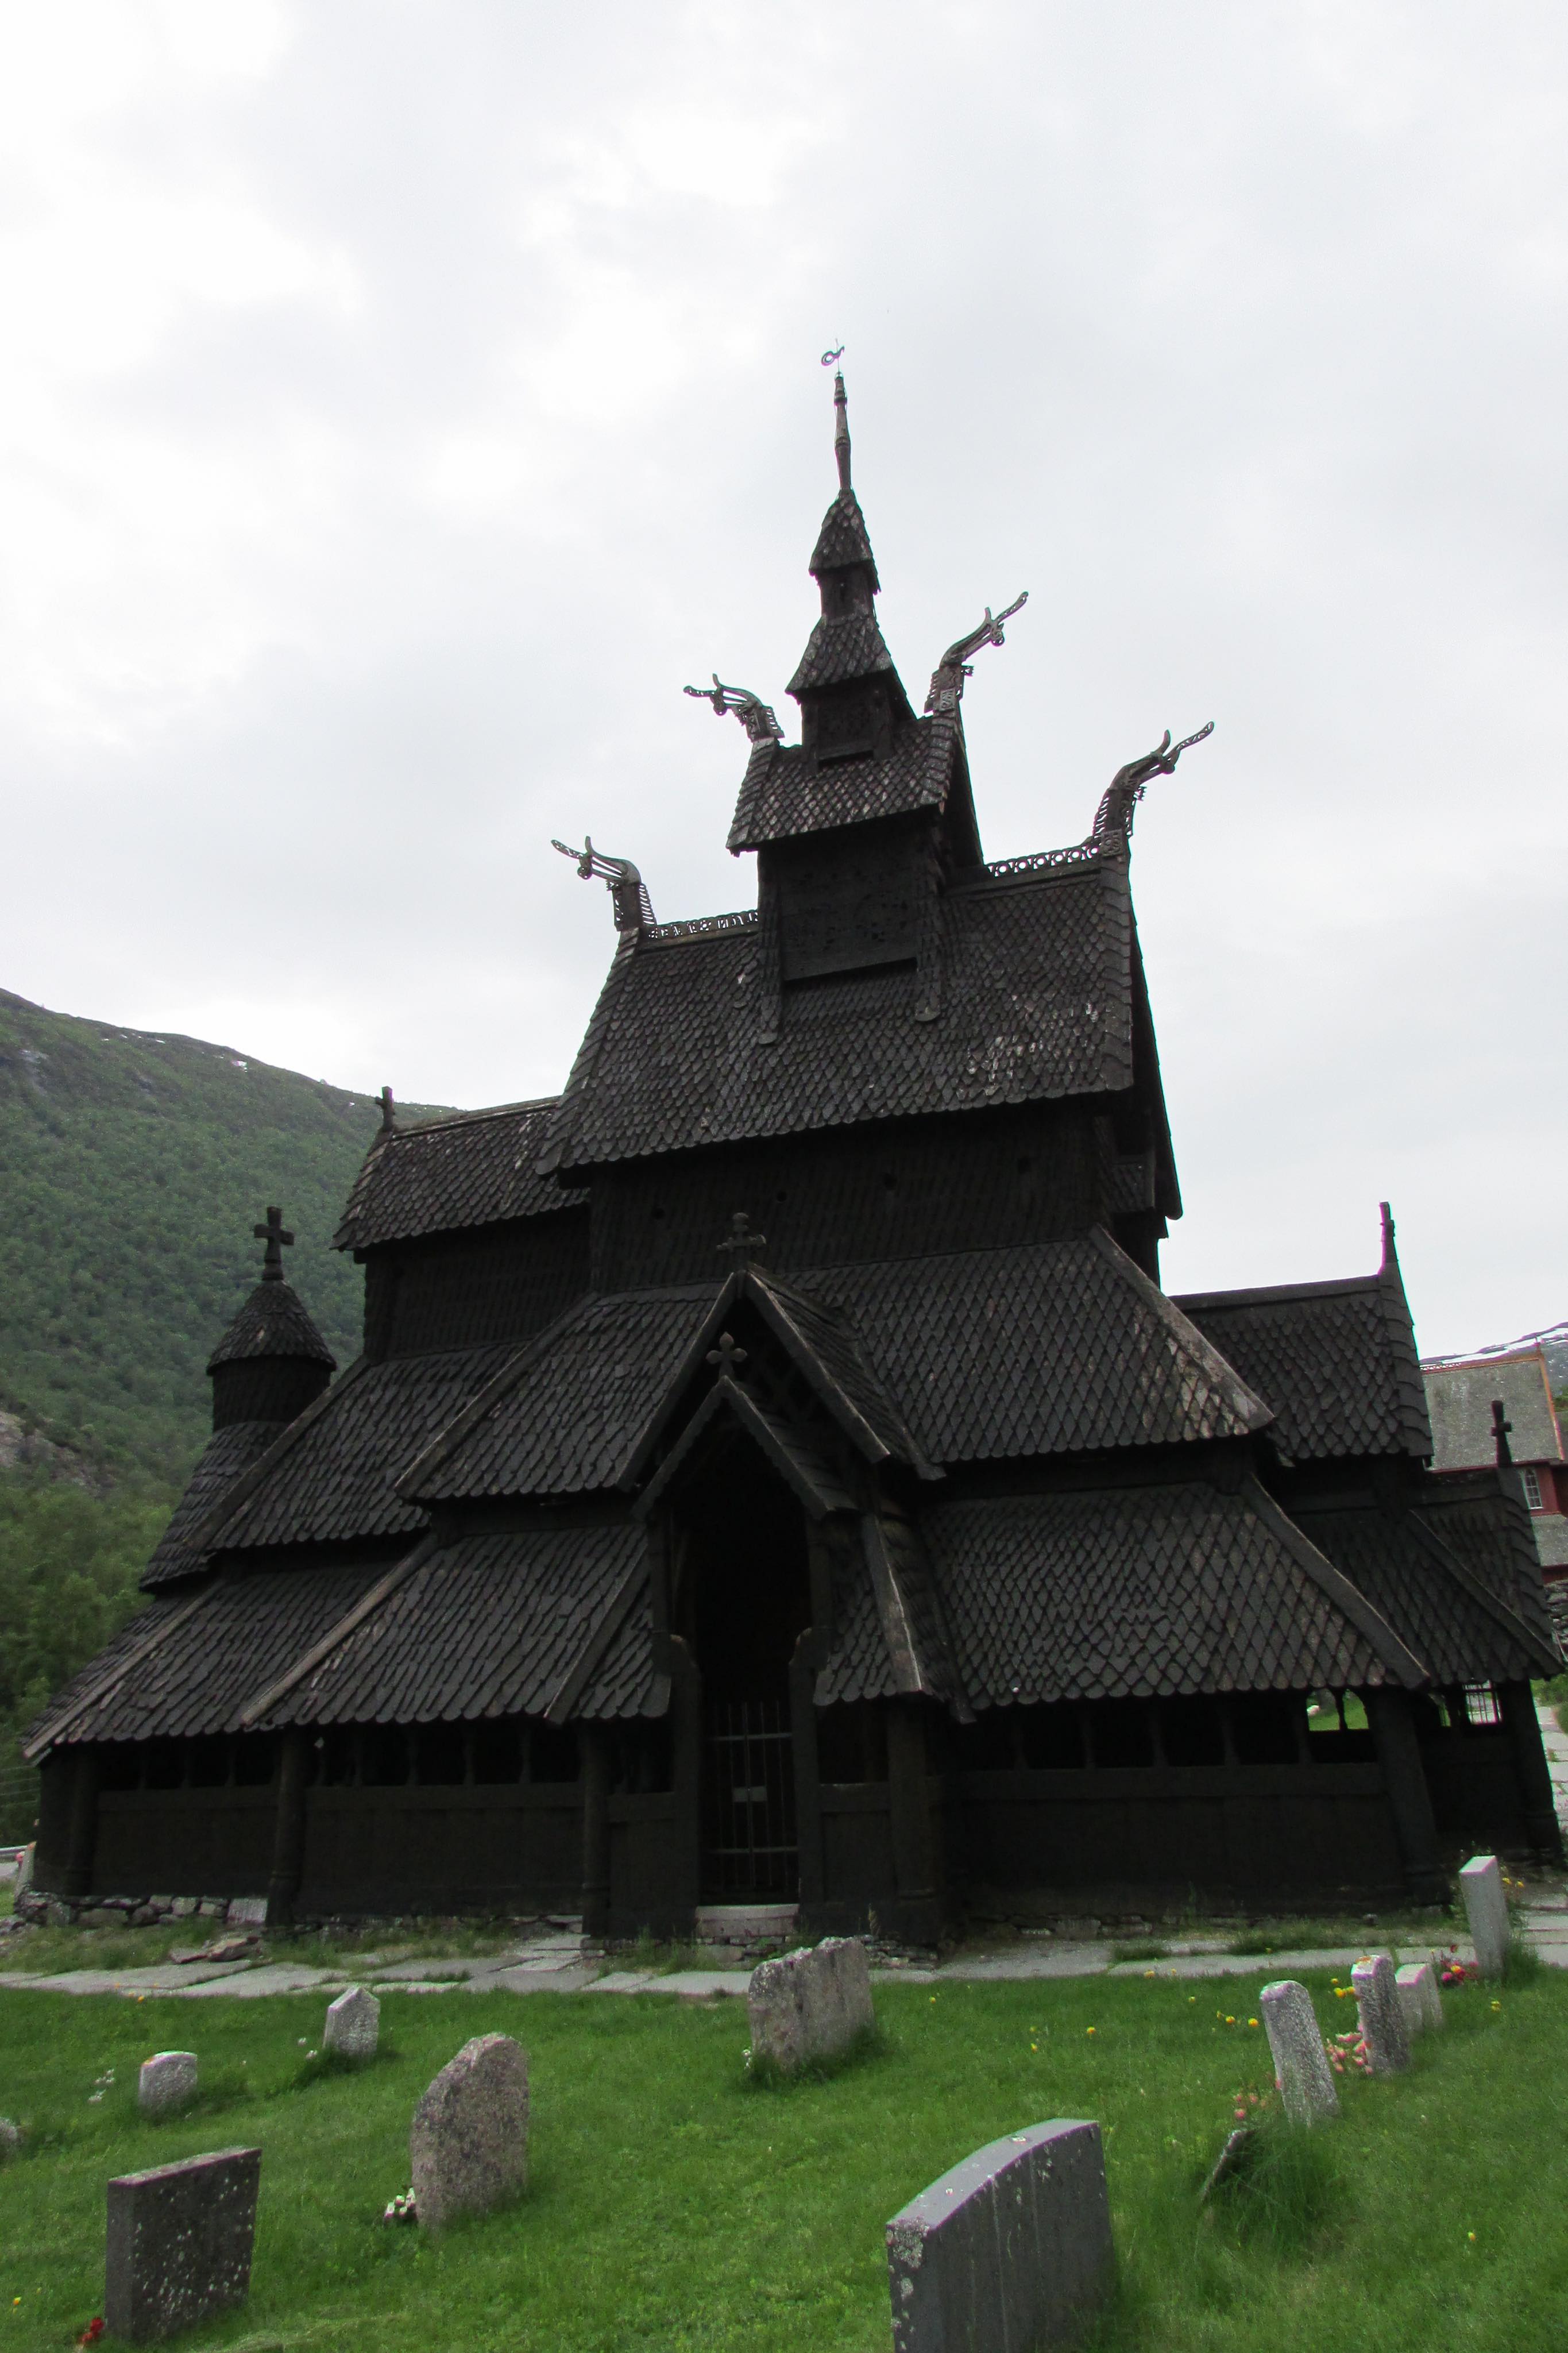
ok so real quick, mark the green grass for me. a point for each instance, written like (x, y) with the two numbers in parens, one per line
(674, 2205)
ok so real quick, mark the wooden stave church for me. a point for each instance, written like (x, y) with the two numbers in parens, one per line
(916, 1553)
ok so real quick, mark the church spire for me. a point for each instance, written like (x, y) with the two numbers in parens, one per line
(841, 428)
(850, 695)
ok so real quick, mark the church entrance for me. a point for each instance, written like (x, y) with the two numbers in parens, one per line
(744, 1600)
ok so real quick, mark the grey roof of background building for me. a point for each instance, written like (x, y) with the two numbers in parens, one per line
(1460, 1402)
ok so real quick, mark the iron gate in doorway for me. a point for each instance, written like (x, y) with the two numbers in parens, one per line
(748, 1827)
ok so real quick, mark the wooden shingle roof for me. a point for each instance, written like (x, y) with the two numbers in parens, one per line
(475, 1168)
(784, 794)
(1146, 1591)
(1035, 1001)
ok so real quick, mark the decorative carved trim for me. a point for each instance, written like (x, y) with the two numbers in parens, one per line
(698, 927)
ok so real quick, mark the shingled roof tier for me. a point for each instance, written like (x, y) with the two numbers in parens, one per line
(477, 1168)
(1336, 1361)
(326, 1479)
(890, 1636)
(784, 792)
(1150, 1591)
(843, 539)
(273, 1321)
(182, 1668)
(1057, 1348)
(1491, 1531)
(1454, 1622)
(1035, 1001)
(487, 1626)
(1459, 1396)
(226, 1456)
(842, 646)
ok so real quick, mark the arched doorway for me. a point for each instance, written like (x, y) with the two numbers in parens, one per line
(742, 1600)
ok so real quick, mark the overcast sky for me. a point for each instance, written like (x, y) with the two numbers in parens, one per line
(400, 400)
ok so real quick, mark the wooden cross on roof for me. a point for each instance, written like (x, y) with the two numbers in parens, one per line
(740, 1243)
(278, 1238)
(1501, 1429)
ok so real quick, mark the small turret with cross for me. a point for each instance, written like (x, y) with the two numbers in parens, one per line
(278, 1240)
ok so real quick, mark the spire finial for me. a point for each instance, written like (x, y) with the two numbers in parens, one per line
(740, 1243)
(840, 417)
(388, 1111)
(278, 1240)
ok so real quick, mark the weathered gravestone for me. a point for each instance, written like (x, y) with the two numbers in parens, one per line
(1010, 2250)
(1419, 1996)
(1485, 1908)
(248, 1912)
(1382, 2023)
(167, 2081)
(353, 2024)
(1300, 2063)
(179, 2242)
(467, 2145)
(811, 2004)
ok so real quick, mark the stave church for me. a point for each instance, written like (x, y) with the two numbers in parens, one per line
(773, 1475)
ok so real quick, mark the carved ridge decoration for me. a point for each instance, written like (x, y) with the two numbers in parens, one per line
(697, 927)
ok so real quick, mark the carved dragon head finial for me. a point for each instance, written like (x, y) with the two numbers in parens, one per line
(1113, 818)
(632, 906)
(754, 715)
(947, 679)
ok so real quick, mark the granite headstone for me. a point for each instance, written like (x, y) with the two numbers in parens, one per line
(167, 2081)
(1300, 2063)
(1381, 2012)
(353, 2024)
(810, 2004)
(1012, 2249)
(1486, 1908)
(1423, 2004)
(179, 2242)
(467, 2145)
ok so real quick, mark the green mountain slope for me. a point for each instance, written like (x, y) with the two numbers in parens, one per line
(133, 1167)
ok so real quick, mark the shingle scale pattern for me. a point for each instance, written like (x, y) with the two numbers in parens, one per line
(1491, 1536)
(1135, 1593)
(331, 1482)
(247, 1631)
(782, 794)
(623, 1683)
(226, 1455)
(453, 1174)
(567, 1422)
(842, 646)
(1051, 1348)
(273, 1321)
(1327, 1363)
(831, 1339)
(491, 1625)
(1431, 1612)
(1036, 1004)
(844, 538)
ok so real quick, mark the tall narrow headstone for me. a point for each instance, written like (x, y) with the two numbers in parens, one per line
(167, 2081)
(1418, 1984)
(467, 2145)
(811, 2004)
(1486, 1908)
(1382, 2017)
(1302, 2068)
(179, 2243)
(1010, 2249)
(353, 2024)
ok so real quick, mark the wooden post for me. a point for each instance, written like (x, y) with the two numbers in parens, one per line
(82, 1837)
(288, 1831)
(685, 1783)
(913, 1832)
(802, 1669)
(1522, 1725)
(595, 1741)
(1388, 1712)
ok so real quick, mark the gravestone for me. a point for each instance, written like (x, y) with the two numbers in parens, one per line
(353, 2024)
(1012, 2249)
(167, 2081)
(1423, 2004)
(179, 2243)
(1382, 2017)
(1300, 2063)
(810, 2004)
(1485, 1908)
(248, 1912)
(23, 1878)
(467, 2145)
(11, 2138)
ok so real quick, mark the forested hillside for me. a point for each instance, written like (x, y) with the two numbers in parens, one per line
(133, 1167)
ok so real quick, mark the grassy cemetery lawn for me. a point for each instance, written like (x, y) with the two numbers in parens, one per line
(674, 2204)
